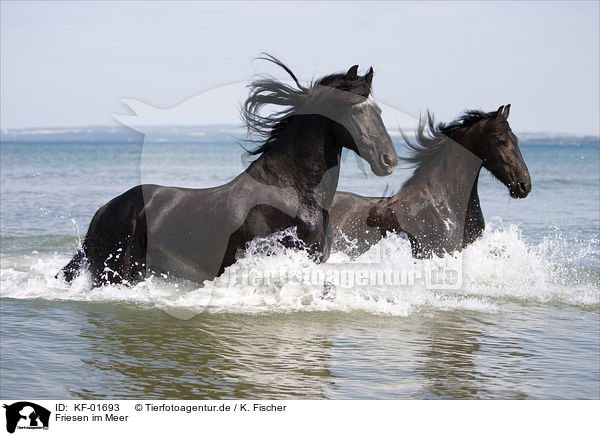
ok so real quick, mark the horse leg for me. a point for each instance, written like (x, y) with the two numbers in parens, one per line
(105, 263)
(116, 241)
(316, 237)
(120, 257)
(73, 268)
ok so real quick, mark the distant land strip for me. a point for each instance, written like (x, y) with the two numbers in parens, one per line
(215, 132)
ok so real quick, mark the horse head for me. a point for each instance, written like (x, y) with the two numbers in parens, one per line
(501, 154)
(359, 124)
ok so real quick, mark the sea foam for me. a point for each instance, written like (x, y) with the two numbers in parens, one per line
(500, 267)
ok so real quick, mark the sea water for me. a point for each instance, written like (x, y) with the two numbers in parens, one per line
(522, 321)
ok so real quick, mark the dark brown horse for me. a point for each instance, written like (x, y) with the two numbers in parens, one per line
(438, 206)
(196, 233)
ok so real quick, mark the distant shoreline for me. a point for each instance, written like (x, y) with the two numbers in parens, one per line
(209, 133)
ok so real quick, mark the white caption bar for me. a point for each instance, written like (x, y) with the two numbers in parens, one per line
(296, 417)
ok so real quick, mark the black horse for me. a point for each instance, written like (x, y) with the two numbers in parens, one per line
(438, 206)
(196, 233)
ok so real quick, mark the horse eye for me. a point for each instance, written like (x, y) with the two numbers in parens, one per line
(501, 143)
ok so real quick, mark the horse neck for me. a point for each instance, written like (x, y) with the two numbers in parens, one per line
(474, 221)
(305, 156)
(452, 173)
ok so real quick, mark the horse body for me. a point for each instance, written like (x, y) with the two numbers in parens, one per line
(197, 233)
(438, 208)
(430, 213)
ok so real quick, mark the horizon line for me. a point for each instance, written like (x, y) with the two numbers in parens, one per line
(63, 129)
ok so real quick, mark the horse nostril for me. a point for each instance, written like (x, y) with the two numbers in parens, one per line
(388, 160)
(523, 187)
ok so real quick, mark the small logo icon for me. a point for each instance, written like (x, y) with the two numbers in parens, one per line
(26, 415)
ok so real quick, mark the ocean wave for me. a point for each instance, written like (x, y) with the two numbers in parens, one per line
(499, 268)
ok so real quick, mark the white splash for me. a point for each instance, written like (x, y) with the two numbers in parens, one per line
(498, 268)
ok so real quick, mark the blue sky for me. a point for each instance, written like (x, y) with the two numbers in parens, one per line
(70, 64)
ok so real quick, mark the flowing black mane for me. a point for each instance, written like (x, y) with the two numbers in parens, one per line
(430, 143)
(269, 91)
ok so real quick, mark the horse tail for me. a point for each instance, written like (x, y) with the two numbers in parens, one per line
(72, 269)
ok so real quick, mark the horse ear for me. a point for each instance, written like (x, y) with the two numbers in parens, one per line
(499, 111)
(352, 73)
(369, 76)
(506, 111)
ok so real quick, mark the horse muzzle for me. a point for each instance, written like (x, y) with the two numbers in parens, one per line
(520, 189)
(386, 165)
